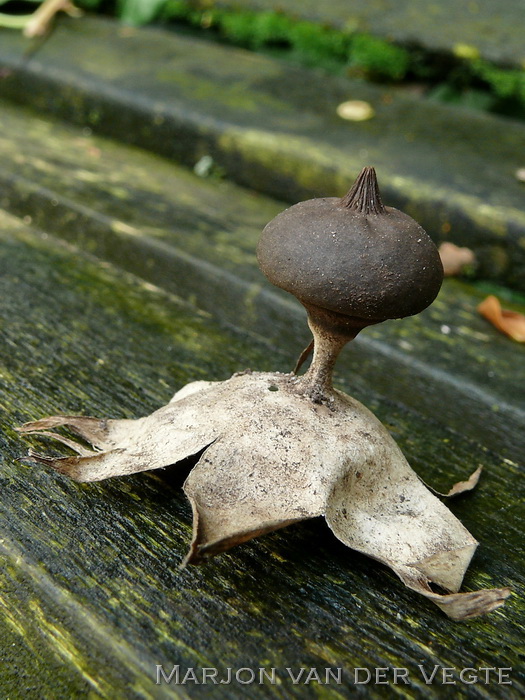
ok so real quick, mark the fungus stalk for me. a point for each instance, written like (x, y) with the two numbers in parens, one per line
(317, 382)
(328, 341)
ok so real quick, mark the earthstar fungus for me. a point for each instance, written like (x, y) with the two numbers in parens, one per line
(352, 263)
(279, 448)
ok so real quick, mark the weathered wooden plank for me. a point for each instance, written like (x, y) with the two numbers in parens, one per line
(91, 571)
(197, 238)
(274, 128)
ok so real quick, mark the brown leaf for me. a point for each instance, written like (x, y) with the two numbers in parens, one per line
(460, 486)
(271, 457)
(455, 259)
(465, 486)
(510, 323)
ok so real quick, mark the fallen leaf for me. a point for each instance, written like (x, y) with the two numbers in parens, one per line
(355, 110)
(460, 486)
(467, 485)
(269, 457)
(455, 259)
(510, 323)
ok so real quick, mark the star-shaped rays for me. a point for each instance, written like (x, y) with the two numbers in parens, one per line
(270, 456)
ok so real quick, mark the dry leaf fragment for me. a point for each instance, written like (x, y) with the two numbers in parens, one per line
(510, 323)
(272, 457)
(460, 486)
(465, 486)
(455, 259)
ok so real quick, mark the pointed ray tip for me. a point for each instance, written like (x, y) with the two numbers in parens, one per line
(364, 195)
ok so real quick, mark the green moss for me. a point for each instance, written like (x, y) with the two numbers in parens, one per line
(318, 45)
(379, 58)
(310, 43)
(504, 83)
(252, 29)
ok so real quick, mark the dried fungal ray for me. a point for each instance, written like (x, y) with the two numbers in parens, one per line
(172, 433)
(273, 457)
(274, 466)
(386, 512)
(103, 434)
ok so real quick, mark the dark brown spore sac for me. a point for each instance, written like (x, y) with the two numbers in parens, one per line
(352, 256)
